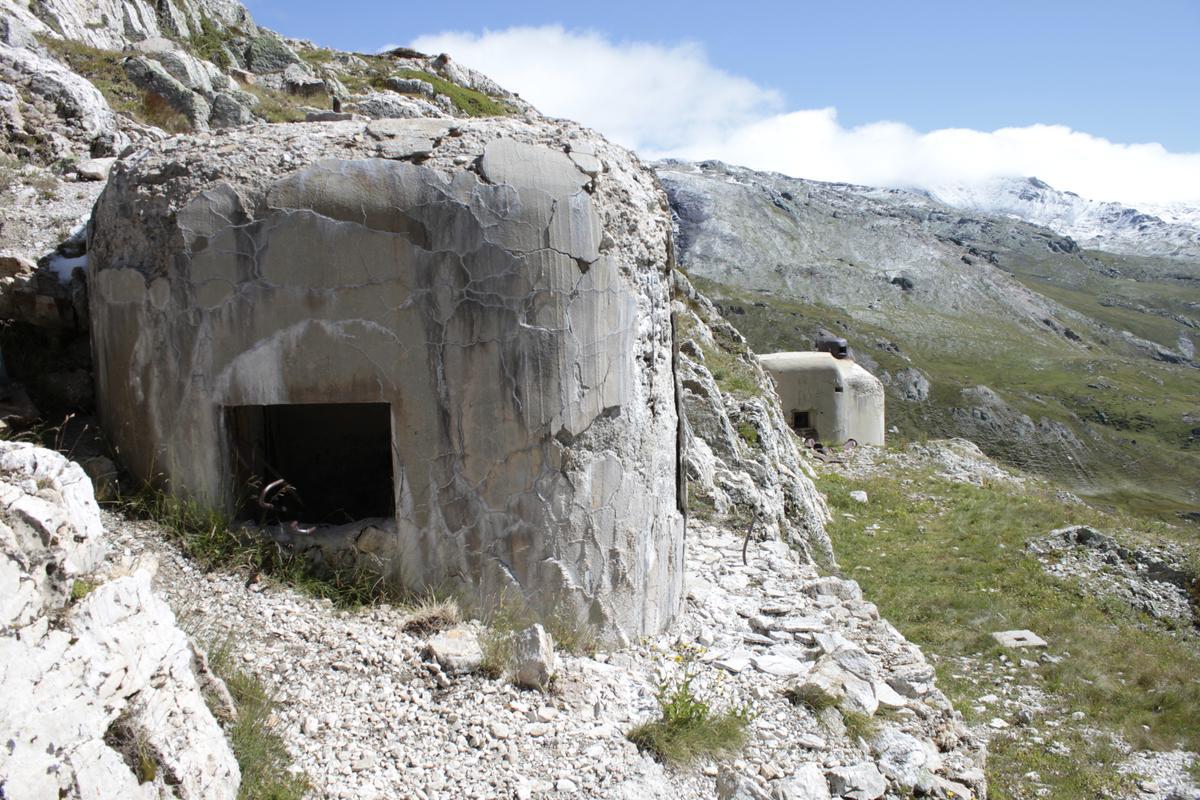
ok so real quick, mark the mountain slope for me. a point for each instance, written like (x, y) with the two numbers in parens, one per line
(1070, 362)
(1172, 232)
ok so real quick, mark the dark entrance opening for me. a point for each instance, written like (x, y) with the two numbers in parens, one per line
(801, 422)
(337, 457)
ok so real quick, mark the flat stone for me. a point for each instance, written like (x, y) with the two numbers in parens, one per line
(858, 782)
(782, 666)
(888, 697)
(328, 116)
(1018, 638)
(95, 169)
(736, 662)
(456, 650)
(802, 625)
(859, 496)
(806, 783)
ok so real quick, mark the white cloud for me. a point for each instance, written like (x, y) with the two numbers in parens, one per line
(669, 100)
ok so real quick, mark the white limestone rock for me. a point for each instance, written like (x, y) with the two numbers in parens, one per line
(456, 651)
(533, 658)
(741, 457)
(114, 666)
(857, 782)
(806, 783)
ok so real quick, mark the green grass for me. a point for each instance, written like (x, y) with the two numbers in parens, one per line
(1127, 410)
(275, 106)
(257, 743)
(468, 101)
(207, 536)
(208, 43)
(381, 67)
(859, 725)
(1085, 772)
(105, 70)
(80, 589)
(689, 727)
(947, 565)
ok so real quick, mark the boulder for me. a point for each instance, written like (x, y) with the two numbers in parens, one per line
(857, 782)
(150, 76)
(228, 111)
(95, 169)
(533, 658)
(268, 53)
(85, 113)
(456, 651)
(113, 668)
(391, 105)
(411, 86)
(806, 783)
(732, 785)
(299, 81)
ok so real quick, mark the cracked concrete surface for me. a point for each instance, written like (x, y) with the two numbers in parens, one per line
(504, 286)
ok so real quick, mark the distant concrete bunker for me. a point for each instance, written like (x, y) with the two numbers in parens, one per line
(464, 374)
(828, 399)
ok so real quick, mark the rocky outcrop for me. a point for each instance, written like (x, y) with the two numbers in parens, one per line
(741, 458)
(502, 286)
(101, 696)
(114, 24)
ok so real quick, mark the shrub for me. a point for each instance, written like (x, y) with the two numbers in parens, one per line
(858, 725)
(688, 726)
(431, 614)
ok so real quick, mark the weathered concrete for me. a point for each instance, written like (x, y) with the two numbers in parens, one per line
(842, 400)
(510, 308)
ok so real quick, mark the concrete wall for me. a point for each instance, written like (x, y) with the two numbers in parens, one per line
(521, 338)
(809, 381)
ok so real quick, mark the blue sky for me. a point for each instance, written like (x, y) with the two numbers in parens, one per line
(1122, 73)
(1129, 72)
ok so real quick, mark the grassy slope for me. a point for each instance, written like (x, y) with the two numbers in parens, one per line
(1131, 417)
(947, 565)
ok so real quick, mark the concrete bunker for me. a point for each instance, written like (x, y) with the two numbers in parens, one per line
(827, 398)
(464, 366)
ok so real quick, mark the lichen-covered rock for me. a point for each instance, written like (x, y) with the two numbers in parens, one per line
(112, 676)
(510, 307)
(152, 77)
(742, 463)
